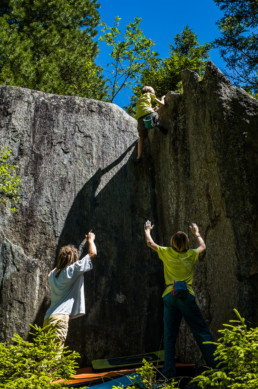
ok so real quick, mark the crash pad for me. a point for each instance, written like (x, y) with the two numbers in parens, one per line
(133, 360)
(124, 381)
(87, 375)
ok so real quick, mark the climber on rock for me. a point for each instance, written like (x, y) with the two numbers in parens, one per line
(178, 297)
(66, 282)
(145, 111)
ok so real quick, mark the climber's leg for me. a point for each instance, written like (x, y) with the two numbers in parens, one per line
(140, 148)
(143, 133)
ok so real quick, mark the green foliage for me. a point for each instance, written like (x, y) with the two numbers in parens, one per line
(149, 379)
(186, 53)
(37, 364)
(239, 41)
(48, 45)
(237, 354)
(131, 54)
(9, 185)
(165, 75)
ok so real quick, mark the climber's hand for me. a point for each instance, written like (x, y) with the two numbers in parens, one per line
(194, 229)
(148, 226)
(90, 236)
(147, 231)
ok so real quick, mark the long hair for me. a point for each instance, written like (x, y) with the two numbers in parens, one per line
(148, 89)
(180, 242)
(67, 255)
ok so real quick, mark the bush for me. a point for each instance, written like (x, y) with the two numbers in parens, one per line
(36, 364)
(237, 356)
(148, 379)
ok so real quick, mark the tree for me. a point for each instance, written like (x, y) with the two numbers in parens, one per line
(165, 74)
(48, 45)
(35, 364)
(237, 356)
(9, 185)
(238, 43)
(131, 54)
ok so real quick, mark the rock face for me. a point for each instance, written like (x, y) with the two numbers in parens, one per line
(75, 162)
(206, 171)
(75, 157)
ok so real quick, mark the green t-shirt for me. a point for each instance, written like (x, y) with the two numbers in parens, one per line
(144, 105)
(177, 266)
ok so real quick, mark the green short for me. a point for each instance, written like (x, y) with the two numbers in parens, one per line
(142, 131)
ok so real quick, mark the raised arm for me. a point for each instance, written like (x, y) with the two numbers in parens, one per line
(147, 230)
(195, 231)
(92, 249)
(161, 101)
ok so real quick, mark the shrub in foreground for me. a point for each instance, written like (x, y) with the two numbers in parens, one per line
(237, 356)
(36, 364)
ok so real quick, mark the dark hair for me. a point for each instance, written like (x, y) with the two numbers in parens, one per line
(180, 242)
(67, 256)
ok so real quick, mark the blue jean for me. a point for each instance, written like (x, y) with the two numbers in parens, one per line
(174, 309)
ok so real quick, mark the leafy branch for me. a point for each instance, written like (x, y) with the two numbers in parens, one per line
(237, 356)
(35, 364)
(131, 54)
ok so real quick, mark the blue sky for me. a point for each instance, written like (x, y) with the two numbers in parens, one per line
(161, 21)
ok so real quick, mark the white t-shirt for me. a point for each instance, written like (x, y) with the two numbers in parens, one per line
(67, 291)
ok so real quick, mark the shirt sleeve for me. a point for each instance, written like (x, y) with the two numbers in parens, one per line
(153, 97)
(161, 252)
(81, 266)
(195, 255)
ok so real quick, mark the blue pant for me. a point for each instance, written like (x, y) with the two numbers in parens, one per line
(174, 309)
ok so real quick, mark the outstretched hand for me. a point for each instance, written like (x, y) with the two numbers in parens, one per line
(147, 231)
(194, 228)
(148, 226)
(90, 236)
